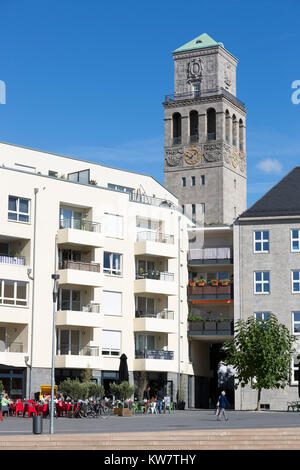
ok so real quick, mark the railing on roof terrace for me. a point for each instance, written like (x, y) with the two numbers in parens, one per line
(136, 196)
(203, 94)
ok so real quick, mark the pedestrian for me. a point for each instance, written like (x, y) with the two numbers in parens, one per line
(147, 394)
(159, 400)
(222, 404)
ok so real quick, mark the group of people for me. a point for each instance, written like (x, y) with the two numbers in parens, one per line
(158, 400)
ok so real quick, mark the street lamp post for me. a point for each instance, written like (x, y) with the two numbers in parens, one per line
(55, 277)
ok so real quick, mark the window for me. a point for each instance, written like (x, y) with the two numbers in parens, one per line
(111, 343)
(296, 281)
(184, 182)
(261, 282)
(295, 371)
(144, 342)
(70, 218)
(193, 180)
(113, 225)
(112, 263)
(112, 303)
(53, 173)
(121, 189)
(183, 209)
(262, 316)
(31, 169)
(144, 306)
(13, 293)
(295, 240)
(296, 323)
(18, 209)
(202, 179)
(193, 209)
(69, 299)
(68, 342)
(261, 242)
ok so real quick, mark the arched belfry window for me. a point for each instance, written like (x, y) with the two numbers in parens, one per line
(227, 126)
(234, 130)
(176, 128)
(194, 126)
(241, 134)
(211, 124)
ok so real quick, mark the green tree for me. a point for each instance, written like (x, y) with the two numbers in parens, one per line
(260, 354)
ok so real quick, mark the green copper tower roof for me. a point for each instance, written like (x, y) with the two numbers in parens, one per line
(204, 40)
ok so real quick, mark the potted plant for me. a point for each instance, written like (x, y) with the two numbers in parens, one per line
(192, 283)
(123, 392)
(201, 282)
(225, 282)
(214, 282)
(210, 324)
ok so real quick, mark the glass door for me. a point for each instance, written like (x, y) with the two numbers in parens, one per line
(68, 342)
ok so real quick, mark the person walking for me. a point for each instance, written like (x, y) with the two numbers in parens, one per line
(222, 404)
(159, 400)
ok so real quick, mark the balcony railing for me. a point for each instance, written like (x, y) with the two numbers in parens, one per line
(204, 93)
(210, 255)
(164, 314)
(137, 196)
(79, 265)
(77, 307)
(13, 347)
(154, 237)
(211, 328)
(208, 292)
(154, 354)
(17, 260)
(80, 224)
(156, 275)
(77, 350)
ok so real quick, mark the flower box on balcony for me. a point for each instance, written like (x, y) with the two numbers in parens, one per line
(224, 325)
(210, 325)
(196, 325)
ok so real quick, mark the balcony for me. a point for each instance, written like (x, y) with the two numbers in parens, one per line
(211, 328)
(155, 282)
(15, 260)
(137, 196)
(80, 232)
(12, 353)
(210, 293)
(87, 316)
(154, 360)
(169, 99)
(80, 273)
(161, 322)
(79, 357)
(15, 314)
(204, 256)
(155, 244)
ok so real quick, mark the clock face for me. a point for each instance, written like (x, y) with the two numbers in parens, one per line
(192, 155)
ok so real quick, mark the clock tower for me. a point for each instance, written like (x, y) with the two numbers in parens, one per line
(205, 134)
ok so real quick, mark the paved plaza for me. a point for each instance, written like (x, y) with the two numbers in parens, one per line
(176, 421)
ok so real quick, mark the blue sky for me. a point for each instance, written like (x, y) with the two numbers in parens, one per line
(88, 78)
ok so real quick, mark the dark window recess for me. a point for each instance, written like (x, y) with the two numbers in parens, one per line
(53, 173)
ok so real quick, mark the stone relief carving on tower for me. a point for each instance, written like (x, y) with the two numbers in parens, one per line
(174, 157)
(213, 152)
(227, 75)
(194, 70)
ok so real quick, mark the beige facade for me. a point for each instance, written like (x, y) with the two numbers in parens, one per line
(120, 251)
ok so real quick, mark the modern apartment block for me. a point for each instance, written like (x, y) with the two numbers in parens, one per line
(267, 268)
(119, 244)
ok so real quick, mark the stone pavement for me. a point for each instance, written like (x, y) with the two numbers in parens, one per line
(181, 430)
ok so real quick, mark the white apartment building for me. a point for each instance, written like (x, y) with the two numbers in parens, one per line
(119, 244)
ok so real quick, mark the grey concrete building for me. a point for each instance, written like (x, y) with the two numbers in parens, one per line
(267, 274)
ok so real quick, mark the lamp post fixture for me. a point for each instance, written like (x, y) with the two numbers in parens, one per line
(55, 277)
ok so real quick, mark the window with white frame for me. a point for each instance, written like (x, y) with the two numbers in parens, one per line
(111, 343)
(13, 293)
(261, 282)
(112, 263)
(296, 282)
(295, 240)
(296, 323)
(262, 316)
(18, 209)
(295, 371)
(112, 303)
(261, 242)
(113, 225)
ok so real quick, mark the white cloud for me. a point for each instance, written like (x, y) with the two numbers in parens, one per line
(270, 165)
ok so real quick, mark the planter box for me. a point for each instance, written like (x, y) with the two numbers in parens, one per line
(210, 325)
(224, 325)
(196, 325)
(124, 412)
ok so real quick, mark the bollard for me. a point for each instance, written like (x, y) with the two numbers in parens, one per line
(37, 424)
